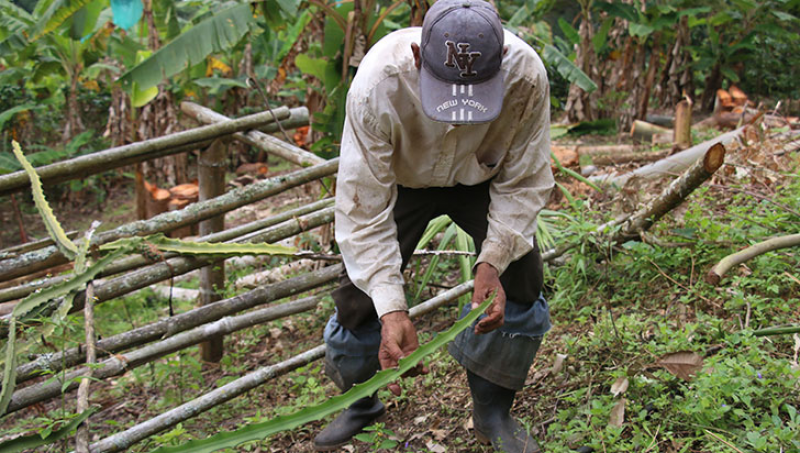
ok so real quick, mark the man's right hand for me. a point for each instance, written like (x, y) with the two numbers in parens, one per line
(398, 340)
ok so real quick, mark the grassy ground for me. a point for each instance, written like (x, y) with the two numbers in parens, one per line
(617, 313)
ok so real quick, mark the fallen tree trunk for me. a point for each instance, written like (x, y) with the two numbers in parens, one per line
(124, 440)
(168, 221)
(54, 363)
(136, 152)
(120, 363)
(137, 261)
(716, 273)
(591, 151)
(256, 139)
(671, 165)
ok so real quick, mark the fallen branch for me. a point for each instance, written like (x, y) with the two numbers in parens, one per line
(124, 440)
(54, 363)
(716, 273)
(628, 158)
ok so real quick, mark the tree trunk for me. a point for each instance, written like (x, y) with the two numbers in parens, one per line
(683, 124)
(713, 83)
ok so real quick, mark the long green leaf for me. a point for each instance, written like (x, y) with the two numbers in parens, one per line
(28, 443)
(166, 244)
(568, 69)
(58, 13)
(260, 431)
(573, 173)
(35, 300)
(65, 245)
(220, 32)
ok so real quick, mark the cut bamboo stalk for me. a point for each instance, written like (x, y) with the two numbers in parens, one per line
(134, 262)
(716, 273)
(119, 364)
(211, 175)
(124, 440)
(99, 162)
(628, 158)
(673, 195)
(256, 139)
(683, 124)
(50, 256)
(671, 165)
(82, 436)
(181, 322)
(584, 150)
(644, 131)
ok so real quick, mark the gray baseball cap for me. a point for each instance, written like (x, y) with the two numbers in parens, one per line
(462, 49)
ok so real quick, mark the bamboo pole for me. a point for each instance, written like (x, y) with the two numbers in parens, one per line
(673, 195)
(257, 139)
(298, 117)
(136, 152)
(119, 364)
(169, 268)
(683, 124)
(168, 221)
(124, 440)
(716, 273)
(644, 131)
(137, 261)
(82, 436)
(211, 175)
(54, 363)
(671, 165)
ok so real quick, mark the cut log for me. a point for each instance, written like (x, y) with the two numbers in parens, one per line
(608, 149)
(738, 96)
(190, 191)
(157, 202)
(683, 124)
(716, 273)
(254, 169)
(567, 156)
(660, 120)
(644, 132)
(724, 101)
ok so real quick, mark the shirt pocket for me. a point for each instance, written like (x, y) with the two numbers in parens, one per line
(476, 172)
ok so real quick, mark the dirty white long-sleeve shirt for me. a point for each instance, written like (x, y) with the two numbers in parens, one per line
(389, 141)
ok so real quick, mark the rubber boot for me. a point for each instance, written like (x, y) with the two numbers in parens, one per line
(492, 419)
(352, 421)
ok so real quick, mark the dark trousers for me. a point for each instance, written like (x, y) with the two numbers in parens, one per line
(468, 207)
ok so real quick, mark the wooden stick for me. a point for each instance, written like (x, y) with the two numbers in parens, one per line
(168, 221)
(99, 162)
(82, 437)
(211, 173)
(644, 131)
(181, 322)
(683, 124)
(257, 139)
(716, 273)
(124, 440)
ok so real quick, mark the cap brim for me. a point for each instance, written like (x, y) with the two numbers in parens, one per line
(461, 104)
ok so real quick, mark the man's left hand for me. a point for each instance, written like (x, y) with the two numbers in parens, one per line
(487, 281)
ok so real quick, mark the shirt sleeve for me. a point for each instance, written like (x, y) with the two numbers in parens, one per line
(523, 185)
(366, 193)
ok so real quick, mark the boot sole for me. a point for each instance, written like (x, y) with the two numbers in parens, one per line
(482, 438)
(336, 447)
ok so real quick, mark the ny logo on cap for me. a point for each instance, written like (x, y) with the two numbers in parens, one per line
(461, 57)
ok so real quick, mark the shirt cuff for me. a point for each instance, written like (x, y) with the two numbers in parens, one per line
(388, 298)
(495, 254)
